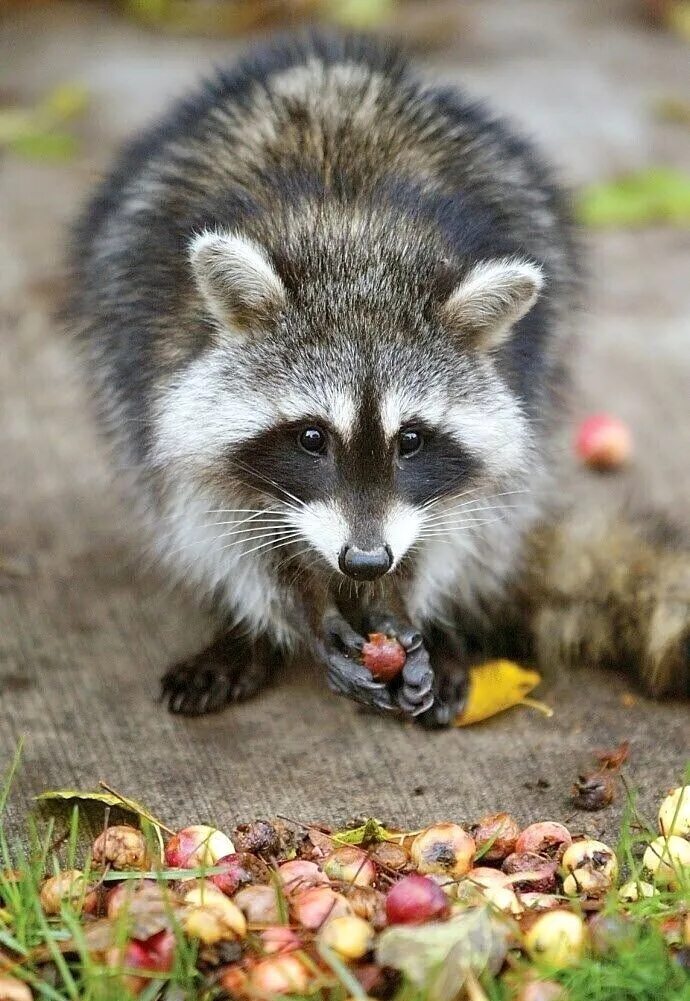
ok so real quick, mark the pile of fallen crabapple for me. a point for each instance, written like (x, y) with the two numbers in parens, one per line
(280, 899)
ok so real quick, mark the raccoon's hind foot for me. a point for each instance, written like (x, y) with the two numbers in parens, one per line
(232, 669)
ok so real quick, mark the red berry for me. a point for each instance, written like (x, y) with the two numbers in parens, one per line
(240, 869)
(160, 951)
(603, 442)
(495, 836)
(545, 838)
(383, 656)
(415, 899)
(198, 845)
(531, 873)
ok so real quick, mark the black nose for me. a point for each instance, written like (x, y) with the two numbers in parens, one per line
(365, 564)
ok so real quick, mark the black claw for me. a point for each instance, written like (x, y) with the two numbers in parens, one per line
(345, 674)
(450, 694)
(228, 671)
(341, 634)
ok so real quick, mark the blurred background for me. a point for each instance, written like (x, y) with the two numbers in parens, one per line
(604, 87)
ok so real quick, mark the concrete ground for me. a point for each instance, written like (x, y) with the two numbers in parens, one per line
(85, 632)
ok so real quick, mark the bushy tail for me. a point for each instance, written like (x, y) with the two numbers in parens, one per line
(612, 594)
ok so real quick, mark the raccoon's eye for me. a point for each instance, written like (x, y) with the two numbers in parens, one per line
(312, 440)
(409, 443)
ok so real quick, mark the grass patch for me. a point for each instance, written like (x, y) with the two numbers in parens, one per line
(65, 957)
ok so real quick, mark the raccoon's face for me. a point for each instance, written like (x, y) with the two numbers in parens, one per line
(357, 416)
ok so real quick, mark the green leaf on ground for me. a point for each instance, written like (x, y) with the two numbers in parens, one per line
(371, 830)
(655, 195)
(107, 798)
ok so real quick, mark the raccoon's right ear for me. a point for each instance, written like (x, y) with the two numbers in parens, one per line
(490, 299)
(236, 280)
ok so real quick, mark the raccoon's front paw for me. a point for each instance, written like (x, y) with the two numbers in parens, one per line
(229, 670)
(341, 650)
(414, 695)
(450, 692)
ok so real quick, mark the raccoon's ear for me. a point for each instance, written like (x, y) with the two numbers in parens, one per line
(236, 280)
(491, 297)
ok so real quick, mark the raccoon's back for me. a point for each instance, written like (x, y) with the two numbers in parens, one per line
(328, 117)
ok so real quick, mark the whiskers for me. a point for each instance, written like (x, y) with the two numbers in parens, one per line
(467, 510)
(242, 530)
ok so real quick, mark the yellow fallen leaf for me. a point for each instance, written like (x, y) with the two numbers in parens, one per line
(495, 686)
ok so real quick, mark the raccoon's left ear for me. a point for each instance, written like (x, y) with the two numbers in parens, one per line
(236, 280)
(492, 297)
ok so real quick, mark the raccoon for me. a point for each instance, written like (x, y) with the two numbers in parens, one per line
(327, 308)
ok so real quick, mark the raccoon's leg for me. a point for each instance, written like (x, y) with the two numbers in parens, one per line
(615, 595)
(231, 669)
(448, 658)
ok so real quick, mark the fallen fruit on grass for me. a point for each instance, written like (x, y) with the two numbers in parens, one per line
(545, 838)
(530, 873)
(198, 845)
(260, 837)
(556, 938)
(279, 938)
(471, 888)
(155, 954)
(367, 903)
(68, 887)
(586, 882)
(279, 975)
(383, 656)
(239, 870)
(299, 874)
(349, 865)
(591, 855)
(259, 904)
(443, 848)
(161, 950)
(212, 917)
(636, 890)
(495, 836)
(603, 442)
(12, 989)
(389, 856)
(351, 937)
(483, 876)
(146, 902)
(667, 859)
(674, 813)
(539, 901)
(122, 847)
(234, 981)
(313, 907)
(611, 933)
(503, 899)
(414, 900)
(131, 956)
(595, 791)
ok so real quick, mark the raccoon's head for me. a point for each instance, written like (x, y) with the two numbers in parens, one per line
(352, 393)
